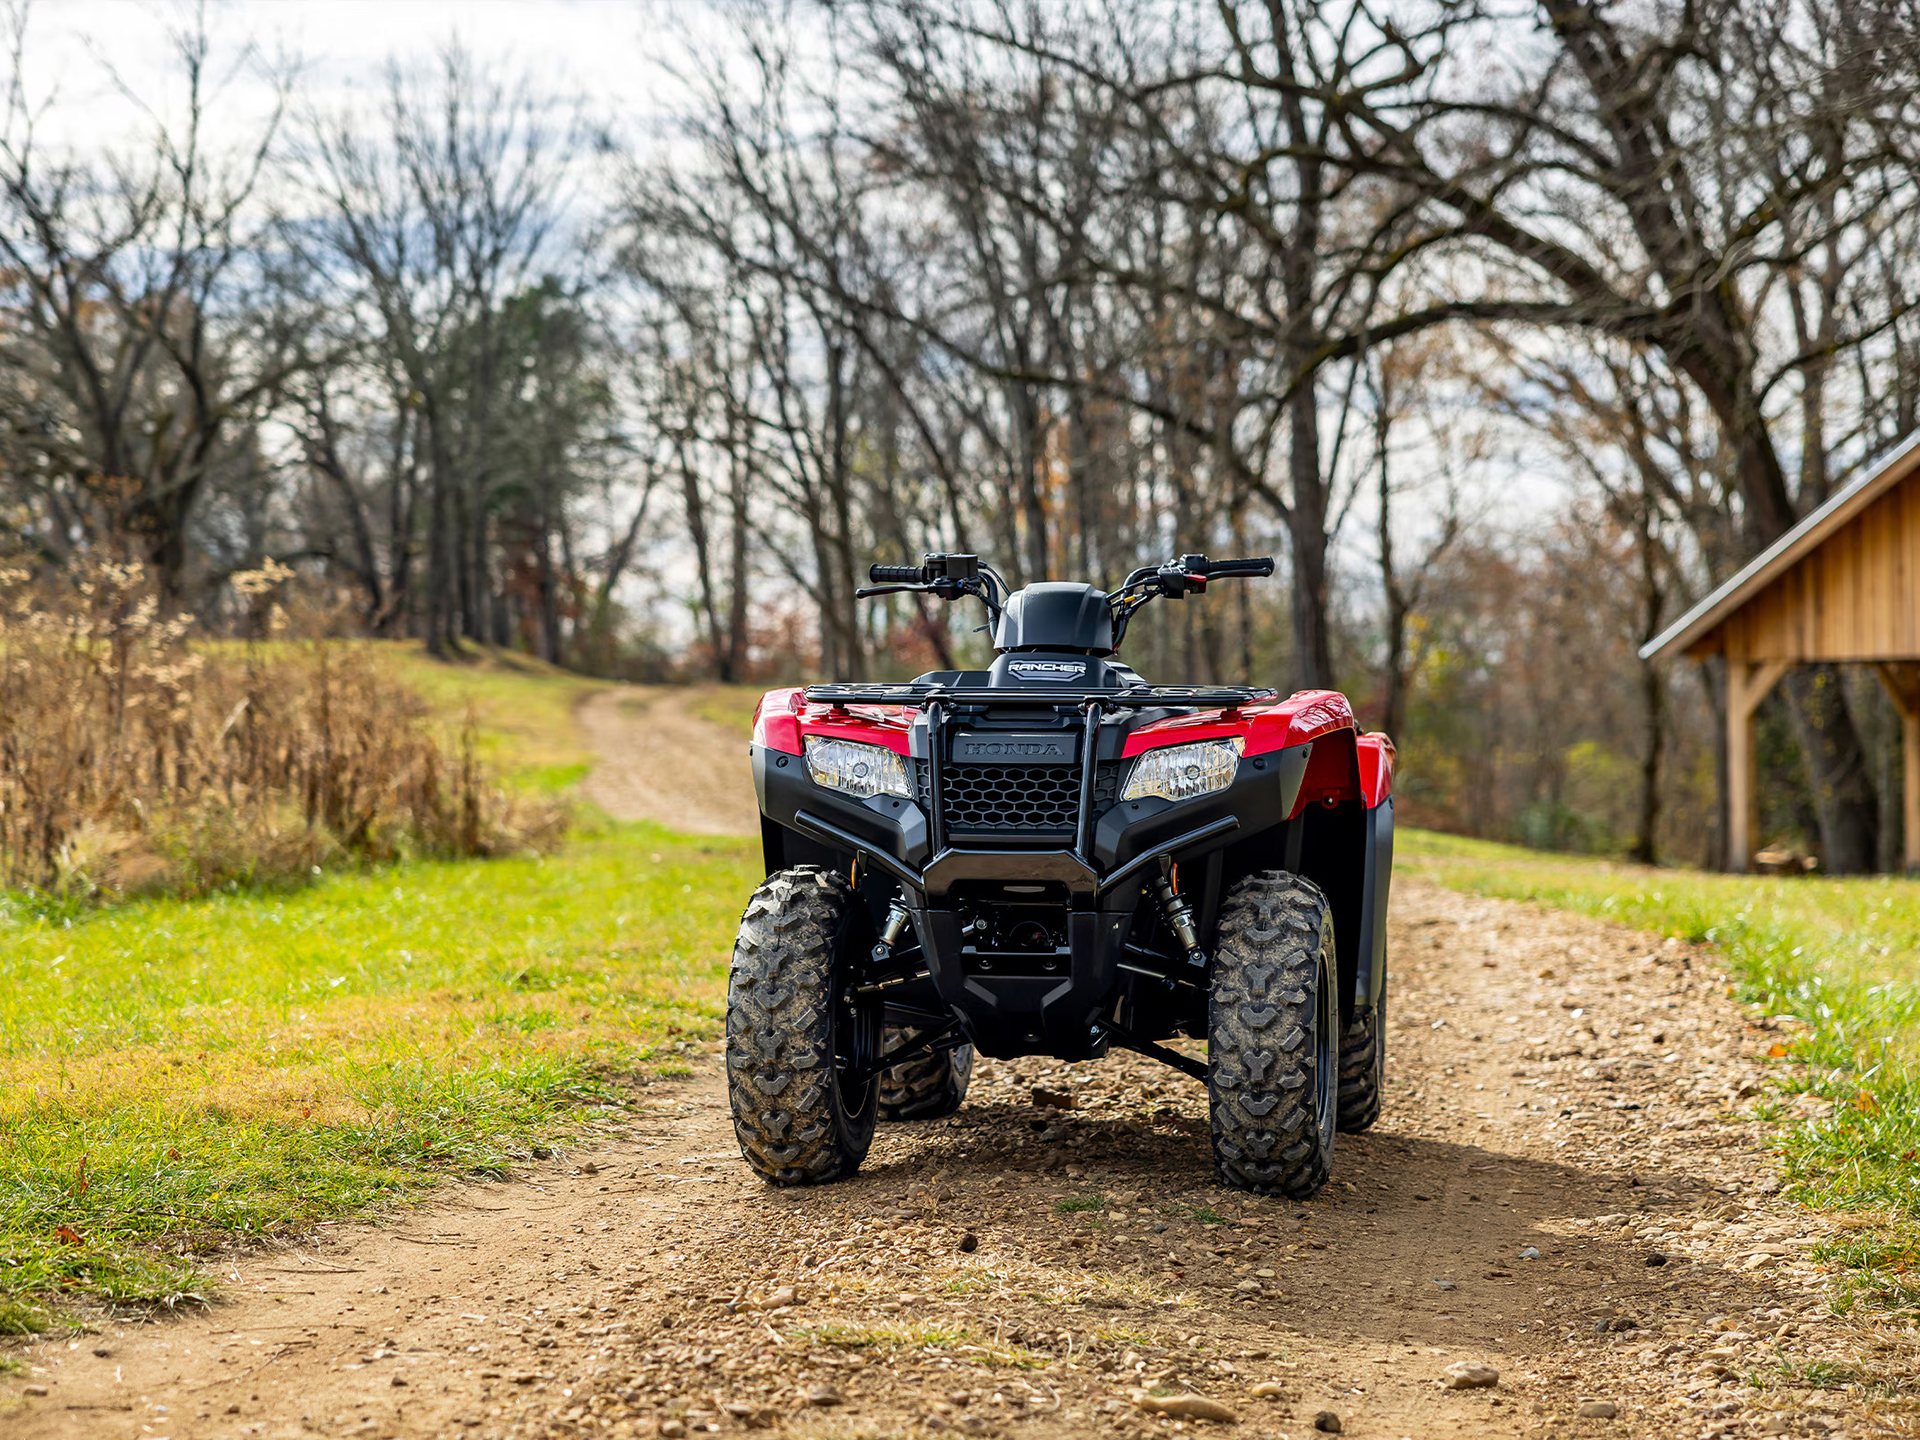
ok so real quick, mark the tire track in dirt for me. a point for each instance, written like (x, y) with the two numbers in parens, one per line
(1555, 1085)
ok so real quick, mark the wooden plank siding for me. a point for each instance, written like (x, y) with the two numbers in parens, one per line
(1856, 596)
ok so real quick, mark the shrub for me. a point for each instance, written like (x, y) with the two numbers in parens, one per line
(133, 762)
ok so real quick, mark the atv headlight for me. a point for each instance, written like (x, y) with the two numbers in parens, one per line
(1181, 772)
(855, 769)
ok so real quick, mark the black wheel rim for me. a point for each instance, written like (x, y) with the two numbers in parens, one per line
(1326, 1052)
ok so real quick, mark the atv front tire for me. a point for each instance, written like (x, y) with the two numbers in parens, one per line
(796, 1038)
(1363, 1063)
(1273, 1037)
(926, 1088)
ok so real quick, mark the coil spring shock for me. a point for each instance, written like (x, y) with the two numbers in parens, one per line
(1179, 916)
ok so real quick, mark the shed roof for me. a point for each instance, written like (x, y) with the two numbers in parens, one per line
(1786, 552)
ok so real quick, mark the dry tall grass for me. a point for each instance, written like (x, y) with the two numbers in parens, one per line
(130, 762)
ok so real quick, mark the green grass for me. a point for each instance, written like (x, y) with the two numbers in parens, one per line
(1076, 1203)
(1839, 955)
(522, 708)
(173, 1073)
(728, 706)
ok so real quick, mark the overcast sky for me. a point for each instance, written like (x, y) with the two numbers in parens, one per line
(83, 51)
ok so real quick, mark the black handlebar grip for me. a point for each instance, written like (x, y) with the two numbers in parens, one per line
(1261, 566)
(896, 574)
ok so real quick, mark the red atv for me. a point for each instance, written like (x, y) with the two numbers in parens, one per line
(1054, 857)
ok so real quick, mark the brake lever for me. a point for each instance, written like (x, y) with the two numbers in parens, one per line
(864, 592)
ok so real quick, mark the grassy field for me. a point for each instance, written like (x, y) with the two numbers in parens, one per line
(728, 706)
(1841, 956)
(175, 1072)
(522, 709)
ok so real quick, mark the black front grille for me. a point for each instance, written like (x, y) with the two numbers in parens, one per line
(1010, 797)
(1015, 799)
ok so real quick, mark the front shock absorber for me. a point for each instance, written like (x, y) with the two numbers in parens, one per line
(897, 919)
(1179, 916)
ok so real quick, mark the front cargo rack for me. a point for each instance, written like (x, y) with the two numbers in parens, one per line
(1208, 697)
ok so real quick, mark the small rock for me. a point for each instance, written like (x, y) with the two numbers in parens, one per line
(672, 1429)
(1329, 1422)
(35, 1390)
(398, 1382)
(1446, 1284)
(1052, 1099)
(1530, 1253)
(1186, 1407)
(969, 1243)
(587, 1167)
(1774, 1425)
(1598, 1410)
(103, 1352)
(824, 1395)
(1656, 1259)
(1469, 1375)
(778, 1300)
(1269, 1390)
(541, 1152)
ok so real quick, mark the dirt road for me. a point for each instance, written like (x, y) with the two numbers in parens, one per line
(1561, 1189)
(659, 760)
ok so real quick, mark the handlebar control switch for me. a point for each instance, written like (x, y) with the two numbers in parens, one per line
(950, 567)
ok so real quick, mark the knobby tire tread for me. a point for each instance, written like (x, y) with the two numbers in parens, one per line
(1268, 967)
(927, 1088)
(787, 1107)
(1362, 1077)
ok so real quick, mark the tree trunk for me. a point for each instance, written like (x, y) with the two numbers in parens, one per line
(739, 588)
(1652, 689)
(696, 508)
(1307, 523)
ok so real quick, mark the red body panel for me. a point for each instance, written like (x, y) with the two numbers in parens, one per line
(1375, 753)
(1347, 768)
(1270, 725)
(782, 715)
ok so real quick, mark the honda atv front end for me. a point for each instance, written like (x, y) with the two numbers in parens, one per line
(1054, 857)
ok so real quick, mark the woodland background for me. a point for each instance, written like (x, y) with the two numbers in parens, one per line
(1509, 330)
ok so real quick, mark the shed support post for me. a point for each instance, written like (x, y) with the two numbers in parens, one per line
(1748, 683)
(1902, 681)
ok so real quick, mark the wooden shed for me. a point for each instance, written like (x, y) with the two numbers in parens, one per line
(1843, 585)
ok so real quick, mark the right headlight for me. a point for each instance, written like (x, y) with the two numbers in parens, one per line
(1180, 772)
(854, 769)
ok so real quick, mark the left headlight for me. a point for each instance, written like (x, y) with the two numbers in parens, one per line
(855, 769)
(1180, 772)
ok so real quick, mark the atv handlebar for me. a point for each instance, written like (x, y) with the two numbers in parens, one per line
(949, 577)
(1220, 569)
